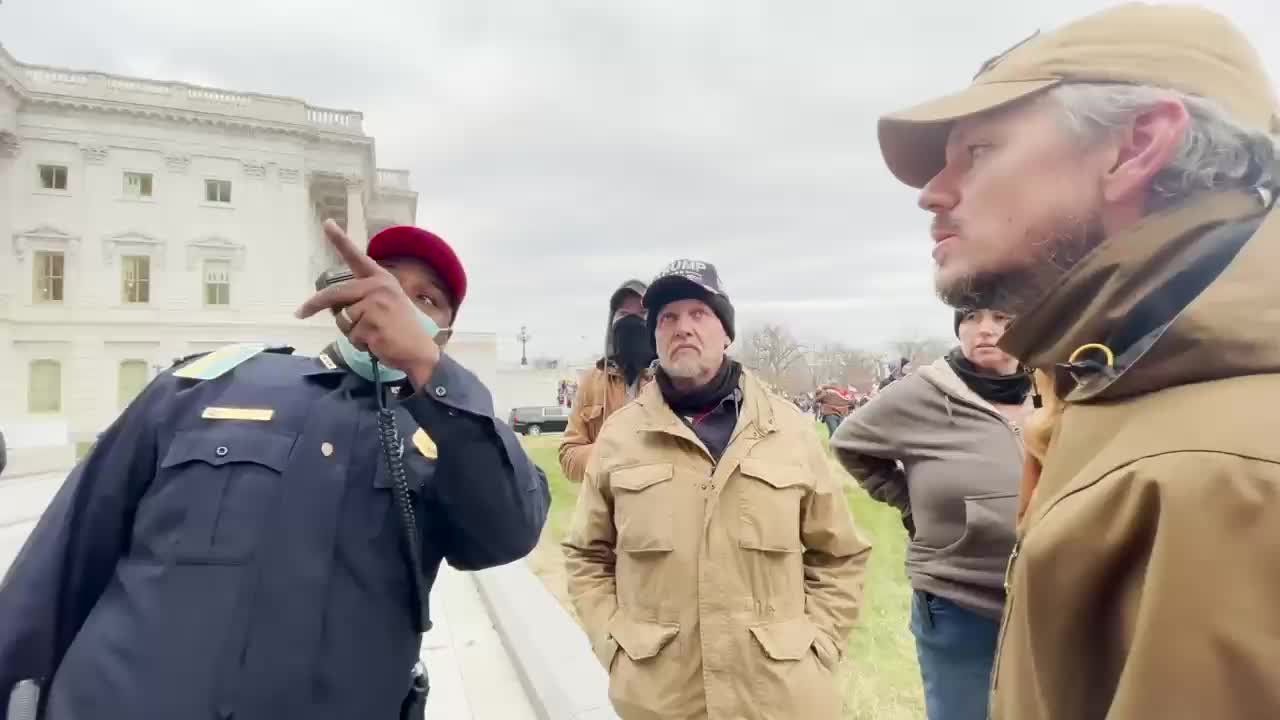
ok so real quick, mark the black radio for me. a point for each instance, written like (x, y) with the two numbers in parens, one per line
(332, 277)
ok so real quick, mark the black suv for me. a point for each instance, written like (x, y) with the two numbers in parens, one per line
(537, 420)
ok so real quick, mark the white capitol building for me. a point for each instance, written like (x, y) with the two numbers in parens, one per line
(141, 221)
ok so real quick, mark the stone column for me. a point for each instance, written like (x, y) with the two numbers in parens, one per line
(356, 228)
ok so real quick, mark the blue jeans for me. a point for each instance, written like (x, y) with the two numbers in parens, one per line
(956, 648)
(832, 422)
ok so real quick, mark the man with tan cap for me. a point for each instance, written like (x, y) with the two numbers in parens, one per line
(1112, 184)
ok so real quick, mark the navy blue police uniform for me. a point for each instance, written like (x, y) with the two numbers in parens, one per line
(231, 549)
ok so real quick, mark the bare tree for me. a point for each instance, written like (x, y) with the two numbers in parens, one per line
(771, 350)
(839, 364)
(920, 351)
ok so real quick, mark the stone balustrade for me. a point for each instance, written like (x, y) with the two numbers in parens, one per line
(51, 82)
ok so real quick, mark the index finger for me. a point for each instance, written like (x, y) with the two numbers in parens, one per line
(355, 258)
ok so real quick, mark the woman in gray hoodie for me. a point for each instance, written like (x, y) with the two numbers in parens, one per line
(943, 445)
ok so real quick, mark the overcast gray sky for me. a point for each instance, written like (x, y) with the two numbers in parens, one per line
(563, 147)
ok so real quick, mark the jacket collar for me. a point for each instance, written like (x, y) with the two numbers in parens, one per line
(755, 409)
(940, 374)
(1128, 292)
(613, 370)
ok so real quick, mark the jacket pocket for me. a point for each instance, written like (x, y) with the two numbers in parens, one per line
(787, 640)
(641, 639)
(643, 509)
(605, 651)
(769, 506)
(988, 526)
(216, 487)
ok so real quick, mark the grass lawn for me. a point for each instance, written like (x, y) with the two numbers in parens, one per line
(880, 678)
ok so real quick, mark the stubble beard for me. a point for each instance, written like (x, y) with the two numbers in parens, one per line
(1054, 252)
(683, 369)
(691, 371)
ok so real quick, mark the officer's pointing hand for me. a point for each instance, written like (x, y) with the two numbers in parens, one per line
(378, 317)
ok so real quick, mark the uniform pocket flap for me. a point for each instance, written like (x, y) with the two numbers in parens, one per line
(229, 444)
(775, 474)
(591, 412)
(786, 640)
(641, 639)
(636, 479)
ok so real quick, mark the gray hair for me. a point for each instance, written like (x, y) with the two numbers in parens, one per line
(1217, 153)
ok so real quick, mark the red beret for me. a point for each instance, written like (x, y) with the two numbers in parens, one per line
(410, 241)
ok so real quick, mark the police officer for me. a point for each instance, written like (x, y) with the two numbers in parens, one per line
(233, 546)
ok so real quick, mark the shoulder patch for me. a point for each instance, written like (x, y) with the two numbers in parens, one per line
(220, 361)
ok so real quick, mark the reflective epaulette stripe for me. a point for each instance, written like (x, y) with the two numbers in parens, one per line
(218, 362)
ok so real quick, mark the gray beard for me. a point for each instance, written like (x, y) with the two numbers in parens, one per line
(1017, 290)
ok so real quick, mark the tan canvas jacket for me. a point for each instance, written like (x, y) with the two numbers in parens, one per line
(716, 590)
(601, 392)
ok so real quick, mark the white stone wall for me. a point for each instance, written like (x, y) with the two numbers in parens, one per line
(518, 386)
(269, 232)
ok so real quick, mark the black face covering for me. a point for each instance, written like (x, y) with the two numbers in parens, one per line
(632, 346)
(999, 389)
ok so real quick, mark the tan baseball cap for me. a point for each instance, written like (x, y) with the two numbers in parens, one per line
(1178, 47)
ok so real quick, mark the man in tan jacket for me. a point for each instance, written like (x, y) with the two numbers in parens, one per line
(1112, 184)
(712, 557)
(613, 382)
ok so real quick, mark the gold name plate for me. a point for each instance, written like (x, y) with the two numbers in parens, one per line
(233, 413)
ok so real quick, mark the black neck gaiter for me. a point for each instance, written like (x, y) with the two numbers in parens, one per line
(997, 389)
(703, 398)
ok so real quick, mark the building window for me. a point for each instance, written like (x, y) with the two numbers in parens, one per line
(133, 378)
(137, 278)
(137, 185)
(44, 389)
(49, 268)
(217, 191)
(217, 282)
(53, 177)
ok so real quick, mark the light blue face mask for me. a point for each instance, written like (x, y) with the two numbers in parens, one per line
(361, 362)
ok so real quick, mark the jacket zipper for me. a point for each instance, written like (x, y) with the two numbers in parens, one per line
(1008, 611)
(988, 409)
(1008, 593)
(1008, 568)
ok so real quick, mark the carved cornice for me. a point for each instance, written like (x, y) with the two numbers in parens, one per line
(94, 154)
(177, 164)
(133, 243)
(177, 115)
(215, 248)
(44, 237)
(254, 170)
